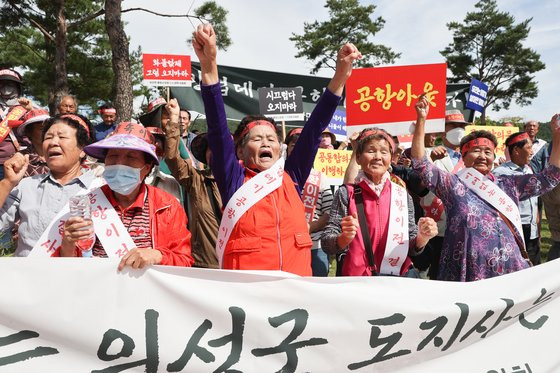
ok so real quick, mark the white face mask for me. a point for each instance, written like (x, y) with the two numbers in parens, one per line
(455, 135)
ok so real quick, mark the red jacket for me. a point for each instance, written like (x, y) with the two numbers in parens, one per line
(377, 216)
(271, 235)
(168, 227)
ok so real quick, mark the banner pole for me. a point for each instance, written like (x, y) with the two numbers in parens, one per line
(283, 130)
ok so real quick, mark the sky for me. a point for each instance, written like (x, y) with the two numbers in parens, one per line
(260, 31)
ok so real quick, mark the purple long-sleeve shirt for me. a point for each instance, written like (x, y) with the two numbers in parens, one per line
(229, 173)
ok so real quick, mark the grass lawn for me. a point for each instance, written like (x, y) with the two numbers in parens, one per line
(546, 240)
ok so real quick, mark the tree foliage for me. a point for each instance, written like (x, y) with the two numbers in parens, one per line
(488, 46)
(29, 36)
(211, 12)
(348, 22)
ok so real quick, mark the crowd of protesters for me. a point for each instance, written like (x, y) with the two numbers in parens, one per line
(235, 201)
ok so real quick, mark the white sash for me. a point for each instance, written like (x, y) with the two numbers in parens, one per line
(396, 247)
(251, 192)
(106, 223)
(310, 194)
(491, 193)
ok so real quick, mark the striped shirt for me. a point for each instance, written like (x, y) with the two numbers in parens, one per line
(135, 218)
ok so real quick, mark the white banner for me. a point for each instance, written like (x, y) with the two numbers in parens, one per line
(81, 315)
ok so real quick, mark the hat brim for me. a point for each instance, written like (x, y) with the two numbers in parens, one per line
(332, 135)
(152, 118)
(38, 119)
(199, 145)
(121, 141)
(11, 78)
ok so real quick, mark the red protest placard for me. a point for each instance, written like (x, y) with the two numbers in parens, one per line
(385, 97)
(167, 69)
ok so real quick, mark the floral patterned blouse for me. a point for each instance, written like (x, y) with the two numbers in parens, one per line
(478, 243)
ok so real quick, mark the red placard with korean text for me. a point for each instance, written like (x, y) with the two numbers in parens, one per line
(169, 70)
(384, 97)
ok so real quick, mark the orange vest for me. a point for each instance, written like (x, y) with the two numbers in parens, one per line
(271, 235)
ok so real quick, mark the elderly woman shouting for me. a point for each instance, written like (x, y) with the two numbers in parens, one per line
(484, 236)
(263, 226)
(36, 200)
(373, 219)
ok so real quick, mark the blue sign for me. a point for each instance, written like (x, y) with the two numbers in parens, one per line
(477, 95)
(338, 125)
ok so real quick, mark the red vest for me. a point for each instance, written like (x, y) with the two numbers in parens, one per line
(377, 216)
(271, 235)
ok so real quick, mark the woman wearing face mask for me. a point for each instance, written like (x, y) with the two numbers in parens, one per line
(154, 219)
(484, 235)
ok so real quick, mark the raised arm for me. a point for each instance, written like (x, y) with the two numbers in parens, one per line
(422, 109)
(180, 168)
(353, 167)
(227, 171)
(14, 170)
(300, 161)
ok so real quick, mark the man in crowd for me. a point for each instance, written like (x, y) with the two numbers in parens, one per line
(108, 117)
(185, 122)
(67, 104)
(520, 149)
(532, 129)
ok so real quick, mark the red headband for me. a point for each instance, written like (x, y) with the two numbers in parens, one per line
(377, 132)
(254, 124)
(480, 141)
(518, 138)
(77, 119)
(108, 111)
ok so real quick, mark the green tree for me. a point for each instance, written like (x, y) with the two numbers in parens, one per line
(348, 22)
(488, 46)
(59, 48)
(217, 16)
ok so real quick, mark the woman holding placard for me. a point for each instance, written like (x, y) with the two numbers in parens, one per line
(484, 237)
(372, 220)
(263, 226)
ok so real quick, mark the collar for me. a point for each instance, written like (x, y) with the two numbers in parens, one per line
(138, 203)
(514, 166)
(85, 179)
(453, 153)
(376, 188)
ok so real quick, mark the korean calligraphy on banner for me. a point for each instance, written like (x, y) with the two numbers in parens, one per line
(501, 133)
(281, 103)
(169, 70)
(477, 95)
(203, 320)
(333, 164)
(337, 125)
(384, 97)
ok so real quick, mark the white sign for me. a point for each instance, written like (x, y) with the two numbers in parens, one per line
(81, 315)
